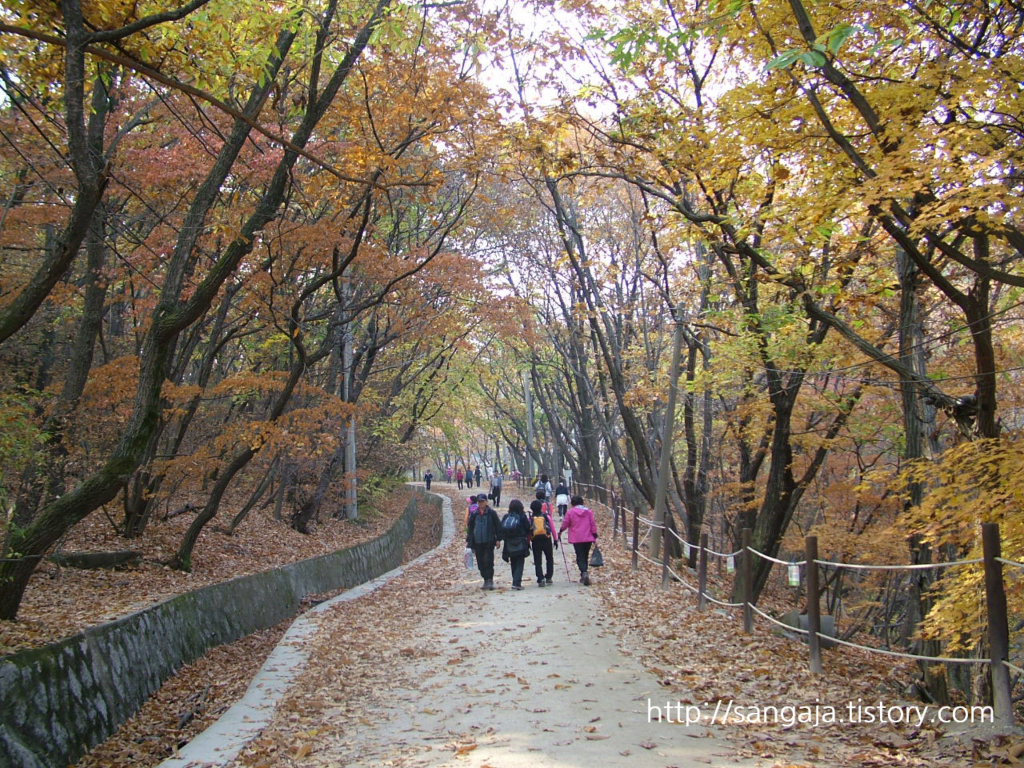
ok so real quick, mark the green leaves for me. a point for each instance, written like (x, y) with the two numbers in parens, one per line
(629, 44)
(812, 58)
(831, 42)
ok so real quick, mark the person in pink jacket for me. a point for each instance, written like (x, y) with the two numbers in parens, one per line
(579, 520)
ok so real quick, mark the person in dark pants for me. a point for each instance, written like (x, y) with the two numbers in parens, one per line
(427, 477)
(482, 531)
(562, 497)
(515, 530)
(582, 535)
(542, 540)
(496, 489)
(477, 475)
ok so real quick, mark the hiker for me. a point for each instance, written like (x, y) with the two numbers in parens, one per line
(482, 532)
(562, 497)
(496, 489)
(448, 472)
(582, 534)
(477, 475)
(516, 531)
(458, 477)
(427, 477)
(542, 539)
(471, 508)
(544, 485)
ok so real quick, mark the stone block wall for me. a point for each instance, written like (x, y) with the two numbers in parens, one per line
(58, 701)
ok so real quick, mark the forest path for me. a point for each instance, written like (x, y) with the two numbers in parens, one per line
(506, 679)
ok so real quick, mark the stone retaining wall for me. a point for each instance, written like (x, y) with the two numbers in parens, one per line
(58, 701)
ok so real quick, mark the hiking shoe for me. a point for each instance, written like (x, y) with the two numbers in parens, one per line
(541, 583)
(548, 582)
(489, 584)
(517, 586)
(585, 578)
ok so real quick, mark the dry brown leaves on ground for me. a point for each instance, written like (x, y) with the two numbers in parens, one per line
(62, 601)
(704, 659)
(199, 693)
(346, 683)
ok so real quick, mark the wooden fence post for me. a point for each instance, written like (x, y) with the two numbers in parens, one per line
(998, 633)
(813, 605)
(664, 557)
(702, 573)
(746, 574)
(636, 538)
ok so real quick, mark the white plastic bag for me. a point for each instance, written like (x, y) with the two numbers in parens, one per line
(469, 557)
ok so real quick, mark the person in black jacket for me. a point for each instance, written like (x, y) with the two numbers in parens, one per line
(562, 497)
(542, 539)
(515, 530)
(482, 533)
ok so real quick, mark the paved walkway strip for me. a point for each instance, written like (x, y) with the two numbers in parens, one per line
(503, 679)
(221, 742)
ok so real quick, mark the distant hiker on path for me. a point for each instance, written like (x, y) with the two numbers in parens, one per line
(482, 533)
(427, 477)
(458, 477)
(449, 473)
(544, 485)
(562, 497)
(516, 531)
(477, 475)
(496, 489)
(579, 520)
(542, 539)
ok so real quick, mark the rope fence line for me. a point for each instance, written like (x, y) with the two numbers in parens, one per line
(902, 655)
(1014, 667)
(995, 595)
(771, 559)
(775, 621)
(915, 567)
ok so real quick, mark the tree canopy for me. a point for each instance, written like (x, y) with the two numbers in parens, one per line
(321, 241)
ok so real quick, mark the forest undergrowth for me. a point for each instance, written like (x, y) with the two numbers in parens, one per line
(704, 659)
(699, 658)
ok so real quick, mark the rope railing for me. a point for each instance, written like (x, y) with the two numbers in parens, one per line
(773, 620)
(897, 567)
(902, 655)
(995, 595)
(771, 559)
(1014, 667)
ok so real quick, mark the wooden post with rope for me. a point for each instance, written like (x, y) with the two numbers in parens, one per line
(746, 574)
(813, 605)
(998, 632)
(636, 539)
(702, 573)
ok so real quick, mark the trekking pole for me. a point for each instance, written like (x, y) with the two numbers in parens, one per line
(564, 560)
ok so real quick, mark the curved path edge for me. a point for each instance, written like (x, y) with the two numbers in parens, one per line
(222, 741)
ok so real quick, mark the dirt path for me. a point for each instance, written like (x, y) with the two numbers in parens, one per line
(502, 679)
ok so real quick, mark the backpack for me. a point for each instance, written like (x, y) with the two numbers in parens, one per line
(510, 526)
(540, 526)
(482, 533)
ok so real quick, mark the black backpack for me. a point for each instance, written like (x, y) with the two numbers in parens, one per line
(482, 533)
(511, 526)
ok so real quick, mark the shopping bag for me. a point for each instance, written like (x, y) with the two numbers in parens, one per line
(596, 558)
(469, 557)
